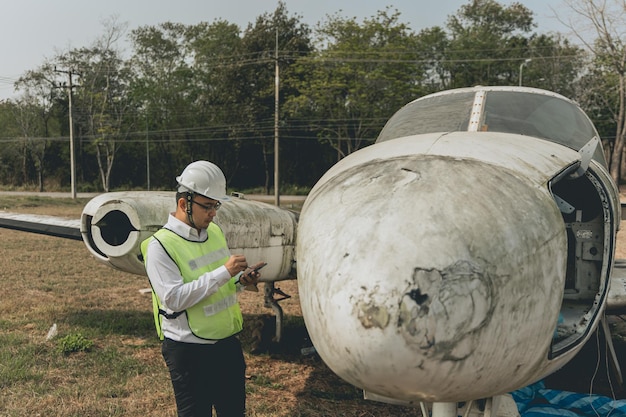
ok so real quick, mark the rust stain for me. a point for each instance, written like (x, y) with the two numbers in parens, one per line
(371, 315)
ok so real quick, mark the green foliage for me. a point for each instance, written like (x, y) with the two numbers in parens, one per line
(494, 33)
(207, 91)
(74, 342)
(364, 73)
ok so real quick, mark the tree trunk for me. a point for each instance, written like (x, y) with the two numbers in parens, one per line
(620, 133)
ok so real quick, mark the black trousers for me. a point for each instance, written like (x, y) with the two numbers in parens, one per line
(207, 376)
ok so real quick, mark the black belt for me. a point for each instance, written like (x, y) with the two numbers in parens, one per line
(170, 316)
(215, 341)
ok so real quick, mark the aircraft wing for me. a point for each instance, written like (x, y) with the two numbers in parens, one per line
(46, 225)
(113, 225)
(616, 299)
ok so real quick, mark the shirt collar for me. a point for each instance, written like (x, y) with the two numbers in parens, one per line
(182, 229)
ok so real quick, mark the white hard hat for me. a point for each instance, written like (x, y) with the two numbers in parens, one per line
(204, 178)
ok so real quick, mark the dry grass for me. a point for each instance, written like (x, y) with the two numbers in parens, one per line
(47, 280)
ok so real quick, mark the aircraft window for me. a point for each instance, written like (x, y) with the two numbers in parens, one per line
(524, 113)
(443, 113)
(540, 116)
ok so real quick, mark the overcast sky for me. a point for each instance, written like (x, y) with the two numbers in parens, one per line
(32, 30)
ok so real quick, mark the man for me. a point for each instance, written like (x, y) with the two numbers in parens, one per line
(194, 281)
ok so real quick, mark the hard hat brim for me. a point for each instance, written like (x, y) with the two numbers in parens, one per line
(223, 198)
(183, 189)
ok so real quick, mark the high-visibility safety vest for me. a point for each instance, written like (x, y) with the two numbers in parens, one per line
(216, 317)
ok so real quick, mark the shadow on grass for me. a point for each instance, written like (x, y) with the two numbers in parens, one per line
(324, 392)
(121, 322)
(259, 332)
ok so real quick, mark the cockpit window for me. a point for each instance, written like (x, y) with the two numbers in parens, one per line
(542, 116)
(445, 113)
(537, 115)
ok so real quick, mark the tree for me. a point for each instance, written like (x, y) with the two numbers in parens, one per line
(168, 92)
(605, 19)
(487, 43)
(432, 44)
(276, 38)
(102, 101)
(596, 92)
(10, 151)
(216, 50)
(360, 75)
(556, 64)
(33, 137)
(33, 113)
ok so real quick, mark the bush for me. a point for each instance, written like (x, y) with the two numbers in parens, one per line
(74, 342)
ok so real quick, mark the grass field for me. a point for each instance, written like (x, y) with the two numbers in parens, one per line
(105, 359)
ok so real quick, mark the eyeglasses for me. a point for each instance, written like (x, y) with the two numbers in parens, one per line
(209, 207)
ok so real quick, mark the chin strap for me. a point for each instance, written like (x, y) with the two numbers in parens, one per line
(189, 214)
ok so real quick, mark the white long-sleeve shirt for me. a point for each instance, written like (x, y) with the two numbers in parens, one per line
(176, 295)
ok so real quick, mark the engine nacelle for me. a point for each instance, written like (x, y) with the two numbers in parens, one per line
(113, 225)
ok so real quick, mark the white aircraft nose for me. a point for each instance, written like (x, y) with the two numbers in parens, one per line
(431, 278)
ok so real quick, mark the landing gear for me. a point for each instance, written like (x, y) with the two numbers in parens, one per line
(272, 302)
(498, 406)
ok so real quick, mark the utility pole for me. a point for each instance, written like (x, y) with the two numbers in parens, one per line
(69, 87)
(276, 101)
(521, 69)
(147, 153)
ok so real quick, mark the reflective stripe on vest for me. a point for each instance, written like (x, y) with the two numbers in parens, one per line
(217, 316)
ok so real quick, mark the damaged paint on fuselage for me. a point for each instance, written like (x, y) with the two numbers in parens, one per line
(460, 296)
(456, 303)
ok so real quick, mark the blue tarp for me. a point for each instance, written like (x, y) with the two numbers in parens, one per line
(537, 401)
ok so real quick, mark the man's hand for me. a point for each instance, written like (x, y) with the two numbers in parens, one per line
(235, 264)
(250, 278)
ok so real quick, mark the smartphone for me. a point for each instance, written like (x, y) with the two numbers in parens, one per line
(259, 267)
(254, 270)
